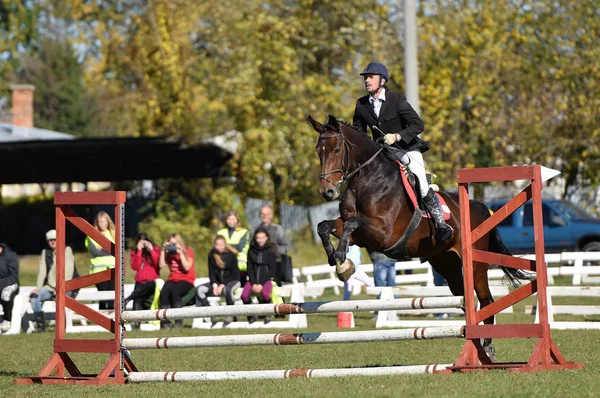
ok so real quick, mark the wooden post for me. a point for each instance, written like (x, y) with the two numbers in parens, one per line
(546, 355)
(53, 372)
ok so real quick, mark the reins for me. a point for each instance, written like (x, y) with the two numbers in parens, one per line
(346, 175)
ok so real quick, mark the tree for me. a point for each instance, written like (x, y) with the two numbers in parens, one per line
(61, 100)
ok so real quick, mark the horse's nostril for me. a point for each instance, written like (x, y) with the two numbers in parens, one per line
(329, 193)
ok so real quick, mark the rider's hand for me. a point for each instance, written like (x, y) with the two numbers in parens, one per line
(391, 138)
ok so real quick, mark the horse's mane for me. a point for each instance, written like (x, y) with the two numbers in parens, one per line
(388, 151)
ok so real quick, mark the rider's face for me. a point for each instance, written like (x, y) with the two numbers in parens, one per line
(371, 82)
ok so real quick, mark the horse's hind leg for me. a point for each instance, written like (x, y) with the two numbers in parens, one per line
(450, 267)
(326, 228)
(484, 295)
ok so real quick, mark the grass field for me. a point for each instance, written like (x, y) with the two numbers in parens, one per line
(23, 355)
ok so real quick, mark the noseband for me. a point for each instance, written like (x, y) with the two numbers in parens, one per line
(346, 174)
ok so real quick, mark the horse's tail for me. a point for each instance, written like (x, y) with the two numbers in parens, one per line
(496, 245)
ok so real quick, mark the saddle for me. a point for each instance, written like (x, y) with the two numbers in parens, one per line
(411, 184)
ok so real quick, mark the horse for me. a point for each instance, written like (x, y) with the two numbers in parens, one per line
(375, 213)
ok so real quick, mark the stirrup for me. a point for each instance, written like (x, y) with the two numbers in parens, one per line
(446, 234)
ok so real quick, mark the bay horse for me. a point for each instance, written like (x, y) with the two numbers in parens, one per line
(375, 213)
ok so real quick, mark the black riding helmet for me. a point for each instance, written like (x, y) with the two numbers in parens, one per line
(376, 68)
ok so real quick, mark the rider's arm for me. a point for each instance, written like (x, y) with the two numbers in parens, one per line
(412, 121)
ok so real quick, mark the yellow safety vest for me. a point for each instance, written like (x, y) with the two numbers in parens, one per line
(102, 263)
(236, 237)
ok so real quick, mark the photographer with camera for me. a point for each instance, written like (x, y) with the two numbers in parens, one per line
(46, 278)
(180, 260)
(144, 260)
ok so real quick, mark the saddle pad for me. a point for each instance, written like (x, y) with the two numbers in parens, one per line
(413, 196)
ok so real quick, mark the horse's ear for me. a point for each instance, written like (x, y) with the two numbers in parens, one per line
(316, 125)
(333, 122)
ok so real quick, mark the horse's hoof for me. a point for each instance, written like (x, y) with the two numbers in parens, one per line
(345, 270)
(490, 351)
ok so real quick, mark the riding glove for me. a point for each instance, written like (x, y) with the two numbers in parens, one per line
(391, 138)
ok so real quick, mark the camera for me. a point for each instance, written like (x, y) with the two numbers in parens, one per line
(171, 248)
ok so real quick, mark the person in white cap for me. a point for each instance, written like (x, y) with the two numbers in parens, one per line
(46, 279)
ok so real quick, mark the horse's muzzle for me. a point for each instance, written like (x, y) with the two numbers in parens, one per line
(330, 193)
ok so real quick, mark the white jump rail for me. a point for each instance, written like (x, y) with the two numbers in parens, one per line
(137, 377)
(294, 321)
(294, 339)
(293, 308)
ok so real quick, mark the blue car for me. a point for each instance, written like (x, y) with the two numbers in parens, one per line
(566, 228)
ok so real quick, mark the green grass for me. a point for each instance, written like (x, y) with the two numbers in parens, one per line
(23, 355)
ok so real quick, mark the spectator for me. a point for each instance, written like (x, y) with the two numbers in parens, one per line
(101, 260)
(9, 283)
(180, 260)
(238, 238)
(279, 237)
(354, 254)
(384, 269)
(224, 275)
(262, 261)
(275, 231)
(46, 278)
(144, 260)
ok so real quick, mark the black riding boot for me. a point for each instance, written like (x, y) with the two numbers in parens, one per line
(40, 321)
(444, 231)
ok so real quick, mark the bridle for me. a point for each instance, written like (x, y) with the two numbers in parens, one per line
(346, 174)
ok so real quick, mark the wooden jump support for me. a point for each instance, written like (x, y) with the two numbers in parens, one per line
(546, 355)
(113, 371)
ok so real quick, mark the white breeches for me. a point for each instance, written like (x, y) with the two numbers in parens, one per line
(416, 164)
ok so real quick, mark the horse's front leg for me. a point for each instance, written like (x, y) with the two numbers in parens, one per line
(345, 267)
(327, 228)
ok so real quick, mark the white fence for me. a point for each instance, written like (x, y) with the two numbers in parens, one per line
(315, 279)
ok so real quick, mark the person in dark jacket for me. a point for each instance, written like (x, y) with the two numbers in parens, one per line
(224, 275)
(391, 118)
(262, 264)
(9, 283)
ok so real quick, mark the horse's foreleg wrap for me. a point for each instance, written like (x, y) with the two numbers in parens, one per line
(324, 229)
(350, 226)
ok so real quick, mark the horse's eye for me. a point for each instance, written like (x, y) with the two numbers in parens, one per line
(337, 150)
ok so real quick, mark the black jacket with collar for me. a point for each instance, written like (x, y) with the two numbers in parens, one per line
(9, 267)
(396, 116)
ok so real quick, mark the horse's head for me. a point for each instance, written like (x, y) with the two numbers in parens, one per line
(335, 155)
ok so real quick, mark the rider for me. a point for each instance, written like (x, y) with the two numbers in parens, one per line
(388, 114)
